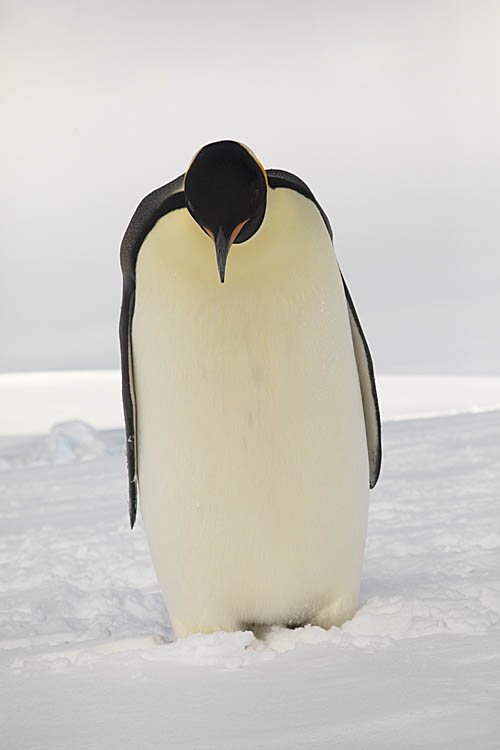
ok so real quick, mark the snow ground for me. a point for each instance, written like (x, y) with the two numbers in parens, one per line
(85, 647)
(31, 402)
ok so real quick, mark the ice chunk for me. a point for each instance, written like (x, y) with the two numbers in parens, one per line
(69, 441)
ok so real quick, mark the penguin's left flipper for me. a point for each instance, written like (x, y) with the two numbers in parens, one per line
(368, 388)
(150, 210)
(279, 178)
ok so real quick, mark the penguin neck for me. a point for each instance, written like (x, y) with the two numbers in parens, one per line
(290, 244)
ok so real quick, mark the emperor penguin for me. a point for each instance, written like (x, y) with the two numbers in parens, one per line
(251, 412)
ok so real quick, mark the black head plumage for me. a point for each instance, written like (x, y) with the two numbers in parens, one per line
(225, 189)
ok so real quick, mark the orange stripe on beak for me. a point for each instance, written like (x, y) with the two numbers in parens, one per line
(234, 233)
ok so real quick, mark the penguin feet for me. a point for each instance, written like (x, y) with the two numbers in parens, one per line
(334, 614)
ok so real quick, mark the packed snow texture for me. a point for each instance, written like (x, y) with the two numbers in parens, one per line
(86, 649)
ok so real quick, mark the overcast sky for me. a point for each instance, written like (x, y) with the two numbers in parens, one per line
(388, 110)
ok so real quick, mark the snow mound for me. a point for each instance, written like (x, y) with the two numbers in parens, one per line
(240, 649)
(69, 441)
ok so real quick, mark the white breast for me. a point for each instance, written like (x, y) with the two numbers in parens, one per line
(252, 461)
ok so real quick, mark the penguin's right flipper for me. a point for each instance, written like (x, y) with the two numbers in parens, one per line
(150, 210)
(278, 178)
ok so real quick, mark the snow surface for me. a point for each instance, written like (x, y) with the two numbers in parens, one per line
(31, 403)
(85, 647)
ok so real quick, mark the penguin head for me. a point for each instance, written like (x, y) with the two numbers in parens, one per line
(226, 189)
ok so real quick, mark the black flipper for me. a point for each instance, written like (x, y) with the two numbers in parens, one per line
(368, 389)
(150, 210)
(278, 178)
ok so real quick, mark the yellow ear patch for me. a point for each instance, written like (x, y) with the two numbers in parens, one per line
(255, 159)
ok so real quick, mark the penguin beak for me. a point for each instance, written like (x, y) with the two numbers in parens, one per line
(223, 243)
(222, 247)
